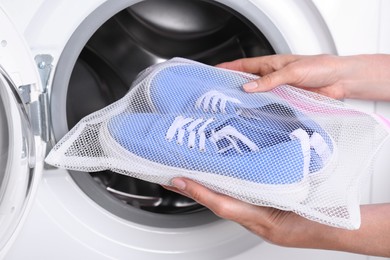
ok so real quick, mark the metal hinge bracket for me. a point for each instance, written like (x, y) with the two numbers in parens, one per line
(38, 107)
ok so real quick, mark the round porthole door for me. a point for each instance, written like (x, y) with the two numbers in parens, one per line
(21, 146)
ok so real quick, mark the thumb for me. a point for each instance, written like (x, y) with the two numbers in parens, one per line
(267, 82)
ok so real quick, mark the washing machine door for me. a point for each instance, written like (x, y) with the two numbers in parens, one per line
(17, 159)
(21, 153)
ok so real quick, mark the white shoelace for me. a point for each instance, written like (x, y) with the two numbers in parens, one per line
(315, 141)
(319, 145)
(228, 132)
(304, 139)
(181, 125)
(212, 99)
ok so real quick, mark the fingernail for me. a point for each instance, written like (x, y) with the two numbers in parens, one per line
(250, 86)
(180, 184)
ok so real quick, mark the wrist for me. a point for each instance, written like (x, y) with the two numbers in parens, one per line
(366, 76)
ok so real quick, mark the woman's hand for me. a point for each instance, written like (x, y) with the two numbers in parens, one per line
(358, 76)
(271, 224)
(286, 228)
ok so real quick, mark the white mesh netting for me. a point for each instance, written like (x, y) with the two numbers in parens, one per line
(287, 148)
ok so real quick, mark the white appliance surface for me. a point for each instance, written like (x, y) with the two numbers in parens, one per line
(64, 223)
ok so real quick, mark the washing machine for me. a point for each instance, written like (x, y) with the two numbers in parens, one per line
(63, 59)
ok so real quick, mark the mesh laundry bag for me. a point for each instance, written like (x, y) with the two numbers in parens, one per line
(287, 148)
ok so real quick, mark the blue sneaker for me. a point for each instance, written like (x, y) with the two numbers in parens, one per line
(223, 145)
(283, 118)
(202, 148)
(185, 86)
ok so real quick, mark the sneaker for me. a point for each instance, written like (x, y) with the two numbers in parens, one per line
(185, 86)
(222, 146)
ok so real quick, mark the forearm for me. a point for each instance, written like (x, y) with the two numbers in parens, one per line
(357, 76)
(366, 76)
(373, 237)
(286, 228)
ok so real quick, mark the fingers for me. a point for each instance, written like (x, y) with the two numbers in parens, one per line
(268, 82)
(171, 188)
(259, 220)
(223, 206)
(274, 70)
(198, 192)
(260, 65)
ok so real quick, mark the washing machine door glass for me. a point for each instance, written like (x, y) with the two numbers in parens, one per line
(16, 158)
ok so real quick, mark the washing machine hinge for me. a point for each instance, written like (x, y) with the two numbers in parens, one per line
(36, 99)
(39, 109)
(37, 106)
(39, 114)
(44, 63)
